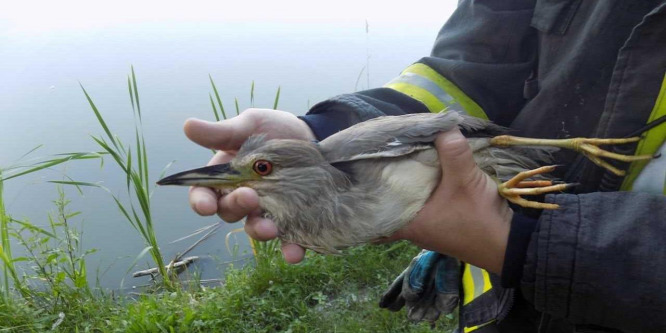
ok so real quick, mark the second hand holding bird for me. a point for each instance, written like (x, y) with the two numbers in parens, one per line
(465, 217)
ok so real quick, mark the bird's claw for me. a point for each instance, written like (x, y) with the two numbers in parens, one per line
(516, 187)
(589, 147)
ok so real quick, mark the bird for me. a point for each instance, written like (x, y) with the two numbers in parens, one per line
(369, 180)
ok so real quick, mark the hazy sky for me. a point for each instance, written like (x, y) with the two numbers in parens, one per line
(31, 16)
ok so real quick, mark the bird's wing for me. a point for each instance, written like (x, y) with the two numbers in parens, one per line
(393, 136)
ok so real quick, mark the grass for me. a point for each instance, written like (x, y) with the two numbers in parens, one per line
(48, 289)
(323, 294)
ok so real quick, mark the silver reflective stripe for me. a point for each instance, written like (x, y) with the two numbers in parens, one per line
(653, 177)
(477, 276)
(431, 87)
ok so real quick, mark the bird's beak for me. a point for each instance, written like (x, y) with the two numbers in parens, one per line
(217, 176)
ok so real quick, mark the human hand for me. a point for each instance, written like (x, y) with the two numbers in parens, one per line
(227, 136)
(465, 217)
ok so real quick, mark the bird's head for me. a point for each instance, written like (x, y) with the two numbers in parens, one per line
(268, 166)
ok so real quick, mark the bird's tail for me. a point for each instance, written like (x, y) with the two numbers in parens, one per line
(477, 127)
(506, 162)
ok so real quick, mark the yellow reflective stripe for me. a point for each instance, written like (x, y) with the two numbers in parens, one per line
(650, 142)
(476, 281)
(486, 281)
(474, 328)
(458, 95)
(468, 285)
(424, 96)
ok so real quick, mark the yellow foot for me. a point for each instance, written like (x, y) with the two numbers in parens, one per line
(514, 188)
(589, 147)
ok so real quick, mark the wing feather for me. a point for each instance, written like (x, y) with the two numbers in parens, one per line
(393, 136)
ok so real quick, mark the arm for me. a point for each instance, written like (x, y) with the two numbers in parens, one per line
(599, 260)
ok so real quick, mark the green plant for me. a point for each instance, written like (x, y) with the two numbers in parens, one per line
(56, 260)
(8, 267)
(133, 161)
(10, 273)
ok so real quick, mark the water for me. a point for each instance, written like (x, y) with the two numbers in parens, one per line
(41, 103)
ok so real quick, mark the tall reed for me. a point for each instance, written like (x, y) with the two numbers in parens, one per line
(8, 268)
(132, 159)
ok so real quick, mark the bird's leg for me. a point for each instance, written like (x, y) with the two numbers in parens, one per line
(589, 147)
(514, 188)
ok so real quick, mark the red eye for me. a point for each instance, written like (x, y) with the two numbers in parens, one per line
(262, 167)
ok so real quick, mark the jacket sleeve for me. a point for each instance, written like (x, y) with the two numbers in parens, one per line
(599, 260)
(479, 63)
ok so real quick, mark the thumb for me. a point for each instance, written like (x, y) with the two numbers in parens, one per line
(222, 135)
(455, 157)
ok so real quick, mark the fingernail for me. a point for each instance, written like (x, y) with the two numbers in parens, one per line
(199, 205)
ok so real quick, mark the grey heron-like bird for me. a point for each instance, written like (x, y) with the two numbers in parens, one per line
(370, 180)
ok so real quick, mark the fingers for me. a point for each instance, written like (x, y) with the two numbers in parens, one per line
(223, 135)
(455, 157)
(259, 228)
(263, 229)
(237, 204)
(293, 253)
(203, 200)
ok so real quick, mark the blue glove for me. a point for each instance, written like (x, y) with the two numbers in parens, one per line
(428, 288)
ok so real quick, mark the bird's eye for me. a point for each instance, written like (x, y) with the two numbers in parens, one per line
(262, 167)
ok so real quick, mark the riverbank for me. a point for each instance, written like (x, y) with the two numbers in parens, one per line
(323, 294)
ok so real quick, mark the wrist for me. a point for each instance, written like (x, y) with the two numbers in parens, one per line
(497, 240)
(307, 131)
(480, 240)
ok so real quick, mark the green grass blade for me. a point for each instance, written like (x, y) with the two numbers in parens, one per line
(129, 87)
(100, 119)
(5, 246)
(252, 94)
(237, 108)
(277, 99)
(52, 162)
(139, 156)
(35, 228)
(29, 152)
(124, 212)
(75, 183)
(139, 226)
(217, 96)
(215, 113)
(136, 93)
(146, 184)
(136, 260)
(141, 196)
(129, 167)
(110, 151)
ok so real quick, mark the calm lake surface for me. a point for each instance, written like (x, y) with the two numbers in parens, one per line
(41, 103)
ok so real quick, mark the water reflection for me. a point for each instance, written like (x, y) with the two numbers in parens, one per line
(41, 103)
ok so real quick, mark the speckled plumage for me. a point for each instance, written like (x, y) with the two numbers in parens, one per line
(367, 181)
